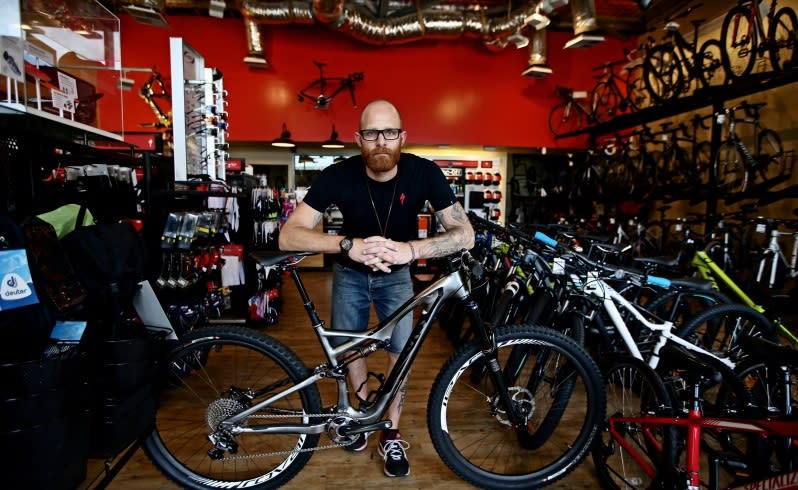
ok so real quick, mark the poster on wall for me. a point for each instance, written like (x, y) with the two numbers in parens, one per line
(12, 64)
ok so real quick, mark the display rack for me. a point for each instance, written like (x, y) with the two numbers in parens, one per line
(63, 67)
(199, 119)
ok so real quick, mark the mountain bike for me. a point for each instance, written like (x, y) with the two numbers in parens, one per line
(743, 37)
(249, 414)
(747, 444)
(676, 66)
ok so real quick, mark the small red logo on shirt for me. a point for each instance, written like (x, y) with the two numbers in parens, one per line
(402, 198)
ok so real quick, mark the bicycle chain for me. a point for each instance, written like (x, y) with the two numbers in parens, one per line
(280, 453)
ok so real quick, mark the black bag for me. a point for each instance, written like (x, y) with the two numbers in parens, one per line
(110, 261)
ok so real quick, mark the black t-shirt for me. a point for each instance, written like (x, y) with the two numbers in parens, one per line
(398, 200)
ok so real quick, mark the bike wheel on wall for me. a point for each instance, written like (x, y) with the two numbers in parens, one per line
(730, 165)
(565, 118)
(783, 37)
(738, 40)
(771, 156)
(605, 102)
(636, 91)
(712, 72)
(663, 75)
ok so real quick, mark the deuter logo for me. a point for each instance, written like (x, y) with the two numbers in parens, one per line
(14, 287)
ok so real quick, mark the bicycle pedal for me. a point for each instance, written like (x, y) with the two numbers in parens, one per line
(359, 429)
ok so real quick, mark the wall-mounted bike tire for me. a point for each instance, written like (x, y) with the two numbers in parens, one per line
(605, 102)
(712, 72)
(663, 73)
(732, 173)
(195, 399)
(634, 389)
(565, 118)
(782, 33)
(636, 92)
(739, 49)
(469, 428)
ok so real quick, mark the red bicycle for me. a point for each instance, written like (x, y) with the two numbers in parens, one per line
(658, 427)
(744, 37)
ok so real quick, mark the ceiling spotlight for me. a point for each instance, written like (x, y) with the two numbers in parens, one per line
(518, 39)
(333, 142)
(284, 141)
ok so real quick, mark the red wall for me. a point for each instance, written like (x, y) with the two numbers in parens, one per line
(449, 92)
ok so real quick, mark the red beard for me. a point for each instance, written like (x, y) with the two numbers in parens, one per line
(381, 159)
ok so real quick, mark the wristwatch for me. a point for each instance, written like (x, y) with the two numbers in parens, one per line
(346, 245)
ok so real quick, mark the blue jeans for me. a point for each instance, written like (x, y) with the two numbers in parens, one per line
(353, 292)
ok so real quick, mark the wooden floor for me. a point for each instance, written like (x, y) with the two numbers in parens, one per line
(336, 468)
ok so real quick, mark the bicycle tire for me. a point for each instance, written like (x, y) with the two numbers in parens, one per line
(636, 92)
(663, 73)
(771, 159)
(633, 389)
(739, 51)
(468, 427)
(718, 328)
(681, 306)
(193, 403)
(565, 118)
(766, 385)
(782, 39)
(605, 101)
(710, 55)
(731, 168)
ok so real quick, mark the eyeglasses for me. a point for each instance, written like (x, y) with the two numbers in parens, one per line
(372, 134)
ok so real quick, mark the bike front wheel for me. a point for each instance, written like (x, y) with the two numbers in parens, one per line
(738, 39)
(565, 118)
(214, 374)
(470, 427)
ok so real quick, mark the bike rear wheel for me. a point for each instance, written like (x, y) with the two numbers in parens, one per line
(215, 373)
(663, 74)
(782, 39)
(469, 426)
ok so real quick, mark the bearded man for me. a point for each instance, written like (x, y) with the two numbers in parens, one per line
(380, 194)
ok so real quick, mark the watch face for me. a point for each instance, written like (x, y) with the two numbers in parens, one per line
(346, 244)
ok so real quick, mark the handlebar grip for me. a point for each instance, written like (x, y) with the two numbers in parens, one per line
(542, 237)
(658, 281)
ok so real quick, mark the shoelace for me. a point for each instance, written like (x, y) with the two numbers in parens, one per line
(395, 449)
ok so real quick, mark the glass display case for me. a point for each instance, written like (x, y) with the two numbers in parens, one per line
(61, 62)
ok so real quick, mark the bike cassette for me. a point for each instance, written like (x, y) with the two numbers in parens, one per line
(220, 410)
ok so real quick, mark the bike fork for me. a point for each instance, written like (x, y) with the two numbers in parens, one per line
(486, 338)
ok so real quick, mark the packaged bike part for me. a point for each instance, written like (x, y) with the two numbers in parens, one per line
(188, 230)
(170, 229)
(207, 224)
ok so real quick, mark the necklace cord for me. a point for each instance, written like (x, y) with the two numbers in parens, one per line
(383, 230)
